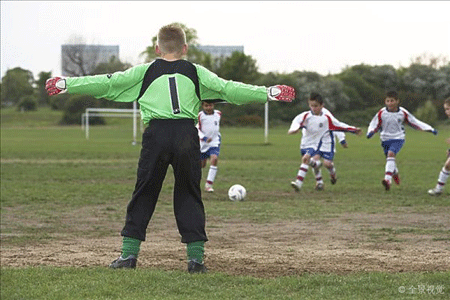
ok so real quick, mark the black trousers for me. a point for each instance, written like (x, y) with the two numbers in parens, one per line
(164, 143)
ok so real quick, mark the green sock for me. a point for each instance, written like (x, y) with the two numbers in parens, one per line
(130, 246)
(195, 250)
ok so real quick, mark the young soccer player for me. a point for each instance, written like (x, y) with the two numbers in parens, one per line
(318, 126)
(389, 122)
(445, 172)
(208, 129)
(337, 135)
(169, 90)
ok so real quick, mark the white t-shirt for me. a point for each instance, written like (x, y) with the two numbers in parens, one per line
(390, 124)
(317, 130)
(208, 127)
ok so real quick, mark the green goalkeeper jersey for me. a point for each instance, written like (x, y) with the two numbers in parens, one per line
(166, 89)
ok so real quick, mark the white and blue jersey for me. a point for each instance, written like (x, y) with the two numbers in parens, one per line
(339, 135)
(390, 124)
(392, 131)
(209, 127)
(318, 130)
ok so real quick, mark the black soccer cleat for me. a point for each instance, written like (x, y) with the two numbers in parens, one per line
(386, 184)
(333, 179)
(128, 263)
(196, 267)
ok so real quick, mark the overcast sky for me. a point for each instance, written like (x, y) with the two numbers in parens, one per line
(318, 36)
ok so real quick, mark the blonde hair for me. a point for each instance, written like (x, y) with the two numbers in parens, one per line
(171, 39)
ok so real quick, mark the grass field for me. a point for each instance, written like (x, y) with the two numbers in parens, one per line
(63, 200)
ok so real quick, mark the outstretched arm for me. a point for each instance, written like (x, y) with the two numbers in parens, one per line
(335, 125)
(214, 87)
(119, 86)
(417, 124)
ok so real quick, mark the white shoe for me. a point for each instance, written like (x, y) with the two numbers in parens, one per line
(209, 188)
(434, 192)
(319, 186)
(296, 185)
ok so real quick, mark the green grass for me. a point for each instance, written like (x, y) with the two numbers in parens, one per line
(55, 183)
(100, 283)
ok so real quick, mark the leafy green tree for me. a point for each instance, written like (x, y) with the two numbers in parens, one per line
(331, 90)
(411, 100)
(426, 80)
(369, 95)
(16, 83)
(417, 78)
(76, 106)
(58, 102)
(442, 82)
(42, 95)
(27, 103)
(381, 77)
(427, 113)
(238, 67)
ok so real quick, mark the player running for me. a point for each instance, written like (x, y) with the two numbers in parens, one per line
(208, 130)
(445, 172)
(389, 122)
(337, 135)
(317, 141)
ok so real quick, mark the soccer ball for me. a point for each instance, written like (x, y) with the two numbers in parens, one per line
(237, 193)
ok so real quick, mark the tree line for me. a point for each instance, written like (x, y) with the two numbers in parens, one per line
(353, 95)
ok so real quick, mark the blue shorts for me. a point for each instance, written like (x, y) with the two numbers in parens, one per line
(392, 145)
(312, 152)
(209, 152)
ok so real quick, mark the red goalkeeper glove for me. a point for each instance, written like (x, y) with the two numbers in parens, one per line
(55, 86)
(283, 93)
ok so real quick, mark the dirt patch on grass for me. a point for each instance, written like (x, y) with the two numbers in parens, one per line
(351, 243)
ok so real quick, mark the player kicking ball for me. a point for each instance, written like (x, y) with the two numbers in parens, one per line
(340, 136)
(318, 126)
(389, 122)
(445, 172)
(208, 130)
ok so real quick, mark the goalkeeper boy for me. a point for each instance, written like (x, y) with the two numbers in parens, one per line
(169, 90)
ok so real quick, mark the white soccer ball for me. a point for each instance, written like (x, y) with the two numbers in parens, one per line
(237, 193)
